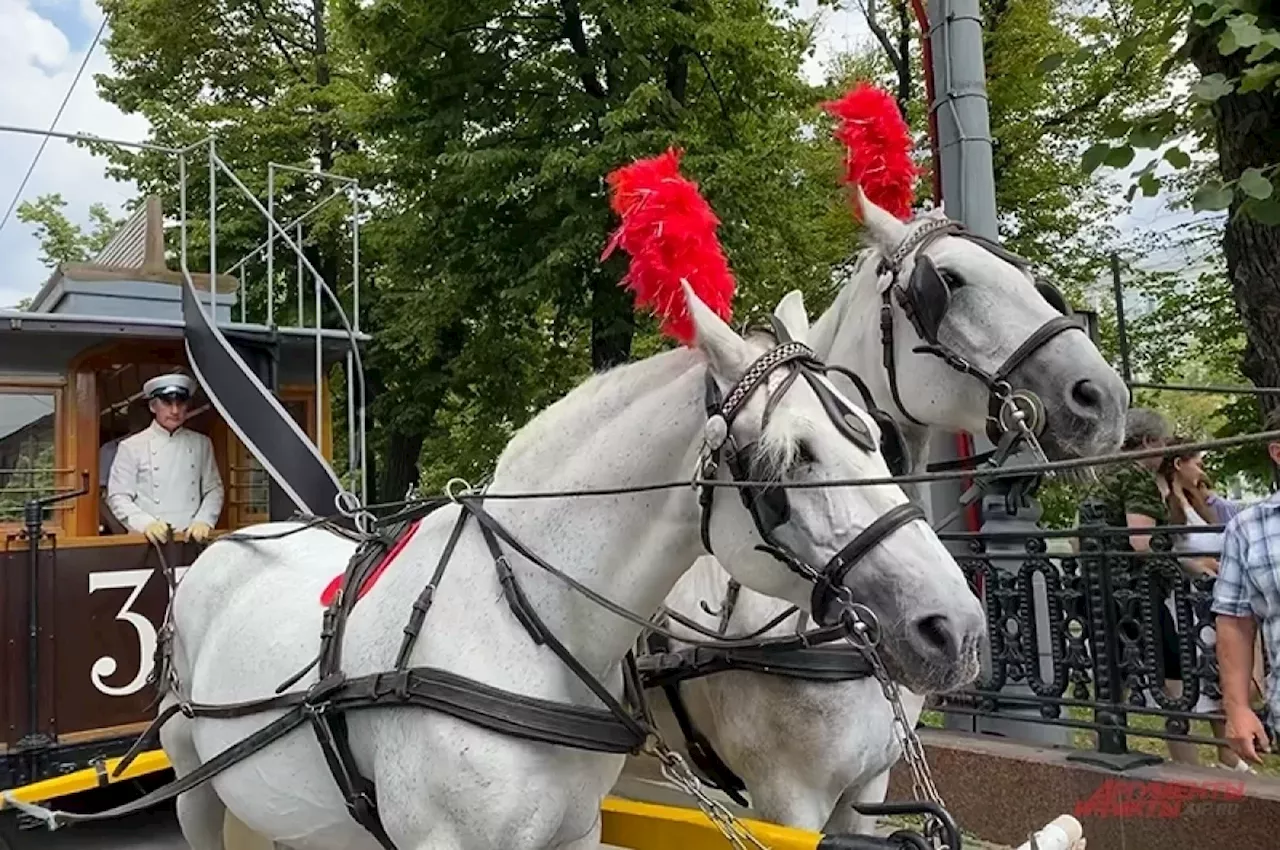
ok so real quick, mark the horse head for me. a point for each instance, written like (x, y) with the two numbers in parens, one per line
(965, 334)
(791, 435)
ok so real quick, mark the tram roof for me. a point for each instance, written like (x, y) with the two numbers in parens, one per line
(14, 322)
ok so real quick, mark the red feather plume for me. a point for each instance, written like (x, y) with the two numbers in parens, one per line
(670, 232)
(879, 147)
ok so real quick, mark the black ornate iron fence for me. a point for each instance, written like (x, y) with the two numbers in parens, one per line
(1123, 629)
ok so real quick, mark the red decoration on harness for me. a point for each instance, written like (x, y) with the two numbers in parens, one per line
(331, 591)
(670, 232)
(879, 147)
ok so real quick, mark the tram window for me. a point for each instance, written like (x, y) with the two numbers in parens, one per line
(250, 492)
(28, 451)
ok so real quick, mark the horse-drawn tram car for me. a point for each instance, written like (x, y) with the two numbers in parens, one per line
(89, 659)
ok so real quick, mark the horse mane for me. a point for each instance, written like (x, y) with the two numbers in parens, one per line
(856, 295)
(613, 394)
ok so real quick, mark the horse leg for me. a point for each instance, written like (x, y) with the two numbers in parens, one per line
(845, 819)
(200, 813)
(590, 841)
(785, 800)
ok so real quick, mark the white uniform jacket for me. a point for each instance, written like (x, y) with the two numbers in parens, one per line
(168, 477)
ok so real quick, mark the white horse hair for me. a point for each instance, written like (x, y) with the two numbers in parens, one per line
(806, 750)
(247, 615)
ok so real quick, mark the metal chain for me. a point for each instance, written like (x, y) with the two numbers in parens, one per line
(865, 639)
(677, 772)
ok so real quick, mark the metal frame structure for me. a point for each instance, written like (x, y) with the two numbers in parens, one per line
(322, 290)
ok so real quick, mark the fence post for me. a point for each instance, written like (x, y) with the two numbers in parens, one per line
(1108, 679)
(1021, 721)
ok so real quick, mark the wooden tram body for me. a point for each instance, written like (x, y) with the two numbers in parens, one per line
(80, 597)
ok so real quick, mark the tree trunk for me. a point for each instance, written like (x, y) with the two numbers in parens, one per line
(400, 465)
(613, 322)
(1248, 136)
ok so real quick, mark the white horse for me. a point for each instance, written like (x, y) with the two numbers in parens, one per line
(247, 615)
(806, 750)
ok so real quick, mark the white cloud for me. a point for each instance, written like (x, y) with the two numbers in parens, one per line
(37, 65)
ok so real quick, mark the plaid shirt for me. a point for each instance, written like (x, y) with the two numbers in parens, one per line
(1248, 581)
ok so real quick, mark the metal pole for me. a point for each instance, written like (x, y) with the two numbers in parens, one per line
(351, 381)
(302, 310)
(355, 257)
(1122, 332)
(319, 369)
(351, 418)
(271, 243)
(84, 137)
(959, 112)
(244, 299)
(182, 206)
(213, 233)
(964, 122)
(33, 518)
(969, 194)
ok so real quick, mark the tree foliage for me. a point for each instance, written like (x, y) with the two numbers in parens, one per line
(483, 134)
(498, 123)
(1184, 120)
(62, 240)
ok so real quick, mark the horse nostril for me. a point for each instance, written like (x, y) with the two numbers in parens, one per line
(936, 633)
(1086, 394)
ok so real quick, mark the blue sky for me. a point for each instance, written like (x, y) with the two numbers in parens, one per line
(42, 43)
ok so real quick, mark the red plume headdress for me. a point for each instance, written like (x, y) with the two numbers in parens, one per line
(878, 144)
(670, 232)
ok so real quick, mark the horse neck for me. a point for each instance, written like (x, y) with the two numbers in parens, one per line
(848, 334)
(638, 424)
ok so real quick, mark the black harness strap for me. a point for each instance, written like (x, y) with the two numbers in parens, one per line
(234, 754)
(701, 752)
(538, 630)
(811, 665)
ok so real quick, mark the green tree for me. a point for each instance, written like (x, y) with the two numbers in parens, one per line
(1217, 128)
(498, 123)
(271, 81)
(61, 240)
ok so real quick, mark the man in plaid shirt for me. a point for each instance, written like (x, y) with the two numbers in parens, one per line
(1247, 591)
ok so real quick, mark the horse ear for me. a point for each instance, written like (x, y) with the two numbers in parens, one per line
(886, 231)
(790, 311)
(726, 352)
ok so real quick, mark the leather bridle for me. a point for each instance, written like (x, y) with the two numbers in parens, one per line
(925, 299)
(768, 505)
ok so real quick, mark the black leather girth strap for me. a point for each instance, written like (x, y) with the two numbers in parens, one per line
(237, 752)
(703, 755)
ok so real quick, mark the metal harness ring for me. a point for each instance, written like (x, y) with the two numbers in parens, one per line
(448, 488)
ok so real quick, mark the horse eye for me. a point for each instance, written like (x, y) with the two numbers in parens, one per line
(952, 281)
(804, 454)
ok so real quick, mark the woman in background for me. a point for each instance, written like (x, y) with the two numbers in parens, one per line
(1181, 478)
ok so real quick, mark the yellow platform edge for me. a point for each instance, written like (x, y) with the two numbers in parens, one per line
(151, 761)
(632, 824)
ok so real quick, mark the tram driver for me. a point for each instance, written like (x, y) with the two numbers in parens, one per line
(165, 477)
